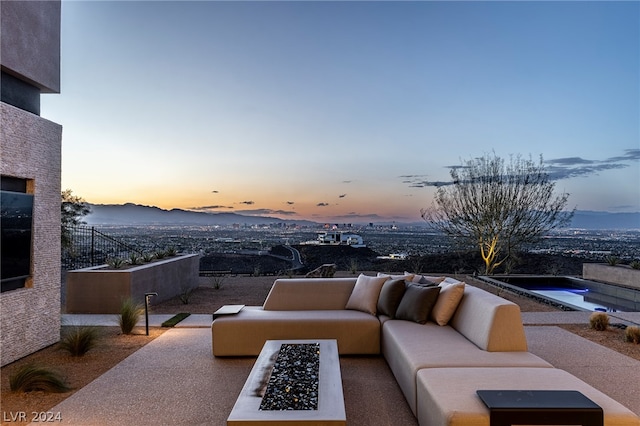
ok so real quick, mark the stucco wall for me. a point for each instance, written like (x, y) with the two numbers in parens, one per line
(620, 274)
(30, 42)
(101, 291)
(30, 148)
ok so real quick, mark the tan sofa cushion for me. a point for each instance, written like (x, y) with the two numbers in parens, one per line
(245, 333)
(409, 347)
(364, 296)
(489, 321)
(297, 294)
(447, 396)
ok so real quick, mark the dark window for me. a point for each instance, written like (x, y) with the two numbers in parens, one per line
(16, 224)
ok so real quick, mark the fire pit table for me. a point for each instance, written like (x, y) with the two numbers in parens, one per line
(295, 381)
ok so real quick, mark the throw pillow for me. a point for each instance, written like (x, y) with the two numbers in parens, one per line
(426, 279)
(364, 296)
(390, 297)
(447, 303)
(417, 302)
(407, 276)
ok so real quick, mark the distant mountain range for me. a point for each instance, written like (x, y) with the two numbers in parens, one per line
(135, 214)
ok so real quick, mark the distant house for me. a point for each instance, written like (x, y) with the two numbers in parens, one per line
(30, 163)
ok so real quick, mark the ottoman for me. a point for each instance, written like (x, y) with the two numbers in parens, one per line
(447, 396)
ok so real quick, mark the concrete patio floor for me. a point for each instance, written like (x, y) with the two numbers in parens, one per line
(175, 379)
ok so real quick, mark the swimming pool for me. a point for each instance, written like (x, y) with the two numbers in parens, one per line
(572, 292)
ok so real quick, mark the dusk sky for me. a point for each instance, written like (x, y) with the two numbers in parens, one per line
(343, 111)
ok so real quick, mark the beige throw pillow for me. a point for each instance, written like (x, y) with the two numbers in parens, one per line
(364, 296)
(447, 303)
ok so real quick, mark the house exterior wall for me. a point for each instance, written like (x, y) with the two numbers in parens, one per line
(31, 42)
(30, 317)
(30, 149)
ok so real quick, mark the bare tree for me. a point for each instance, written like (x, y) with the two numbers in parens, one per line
(498, 207)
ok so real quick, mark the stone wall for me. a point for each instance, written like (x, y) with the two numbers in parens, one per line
(30, 147)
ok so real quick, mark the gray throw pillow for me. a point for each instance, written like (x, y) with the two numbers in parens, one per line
(417, 302)
(390, 297)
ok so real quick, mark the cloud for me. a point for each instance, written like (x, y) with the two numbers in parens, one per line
(322, 204)
(262, 212)
(342, 195)
(215, 191)
(569, 167)
(214, 207)
(248, 203)
(290, 203)
(558, 168)
(347, 181)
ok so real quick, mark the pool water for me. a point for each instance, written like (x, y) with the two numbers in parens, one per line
(574, 293)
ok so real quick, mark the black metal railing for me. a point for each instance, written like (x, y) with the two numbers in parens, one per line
(89, 247)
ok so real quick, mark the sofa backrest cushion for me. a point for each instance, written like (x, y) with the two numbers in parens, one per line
(491, 322)
(299, 294)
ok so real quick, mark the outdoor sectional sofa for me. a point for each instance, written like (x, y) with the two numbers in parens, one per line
(441, 341)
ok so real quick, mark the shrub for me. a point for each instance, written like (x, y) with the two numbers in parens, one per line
(172, 251)
(79, 340)
(37, 378)
(115, 263)
(353, 265)
(612, 260)
(130, 313)
(599, 321)
(635, 264)
(632, 334)
(217, 281)
(186, 295)
(160, 254)
(147, 257)
(134, 259)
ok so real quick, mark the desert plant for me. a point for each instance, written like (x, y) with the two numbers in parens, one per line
(32, 377)
(160, 254)
(148, 257)
(632, 334)
(171, 251)
(186, 295)
(256, 271)
(599, 321)
(216, 281)
(353, 265)
(130, 313)
(635, 264)
(134, 259)
(79, 340)
(612, 260)
(115, 262)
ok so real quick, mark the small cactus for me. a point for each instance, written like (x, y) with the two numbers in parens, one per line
(599, 321)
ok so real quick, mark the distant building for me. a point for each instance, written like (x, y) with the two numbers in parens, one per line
(30, 164)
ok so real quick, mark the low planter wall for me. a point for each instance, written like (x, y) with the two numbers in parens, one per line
(619, 274)
(100, 290)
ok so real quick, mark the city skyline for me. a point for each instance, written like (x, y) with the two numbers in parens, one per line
(343, 111)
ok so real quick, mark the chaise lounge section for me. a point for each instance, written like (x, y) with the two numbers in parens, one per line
(439, 340)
